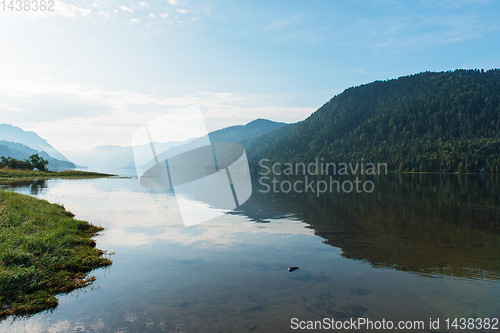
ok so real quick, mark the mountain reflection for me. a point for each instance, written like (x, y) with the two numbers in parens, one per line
(431, 225)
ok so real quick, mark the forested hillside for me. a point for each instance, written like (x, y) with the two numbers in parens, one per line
(447, 121)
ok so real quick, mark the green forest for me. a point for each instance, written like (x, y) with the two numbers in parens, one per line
(427, 122)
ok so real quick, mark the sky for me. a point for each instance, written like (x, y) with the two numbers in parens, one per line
(90, 73)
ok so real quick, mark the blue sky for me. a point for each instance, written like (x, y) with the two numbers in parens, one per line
(91, 72)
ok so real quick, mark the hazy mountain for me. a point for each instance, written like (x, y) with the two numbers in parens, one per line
(111, 157)
(103, 157)
(115, 157)
(447, 121)
(21, 152)
(31, 139)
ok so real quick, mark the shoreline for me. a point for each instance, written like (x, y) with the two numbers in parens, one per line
(12, 174)
(445, 173)
(258, 171)
(44, 251)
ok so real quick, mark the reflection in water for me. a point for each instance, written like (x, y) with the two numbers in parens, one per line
(34, 187)
(425, 224)
(230, 274)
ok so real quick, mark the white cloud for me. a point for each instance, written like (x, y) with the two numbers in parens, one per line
(103, 10)
(111, 117)
(104, 14)
(126, 9)
(70, 10)
(135, 21)
(98, 4)
(11, 108)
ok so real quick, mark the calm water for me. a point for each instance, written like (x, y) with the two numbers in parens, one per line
(417, 247)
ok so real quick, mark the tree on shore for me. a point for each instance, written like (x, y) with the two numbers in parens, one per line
(38, 162)
(34, 161)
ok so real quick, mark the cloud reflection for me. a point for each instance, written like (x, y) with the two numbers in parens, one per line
(134, 217)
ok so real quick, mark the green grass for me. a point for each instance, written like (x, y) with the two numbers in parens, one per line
(29, 174)
(44, 251)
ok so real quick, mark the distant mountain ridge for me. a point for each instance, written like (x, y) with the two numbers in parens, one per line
(117, 157)
(109, 156)
(22, 152)
(242, 133)
(30, 139)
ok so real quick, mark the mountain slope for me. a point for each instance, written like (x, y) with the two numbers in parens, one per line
(30, 139)
(447, 121)
(241, 133)
(21, 152)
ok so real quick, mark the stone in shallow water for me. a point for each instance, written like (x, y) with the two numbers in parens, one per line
(291, 269)
(180, 304)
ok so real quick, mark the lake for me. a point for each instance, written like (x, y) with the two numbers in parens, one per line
(417, 248)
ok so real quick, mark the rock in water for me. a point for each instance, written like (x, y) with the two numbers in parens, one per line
(291, 269)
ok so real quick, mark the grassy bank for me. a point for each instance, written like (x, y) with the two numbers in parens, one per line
(44, 251)
(70, 174)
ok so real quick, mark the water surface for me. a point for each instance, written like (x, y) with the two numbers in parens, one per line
(417, 247)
